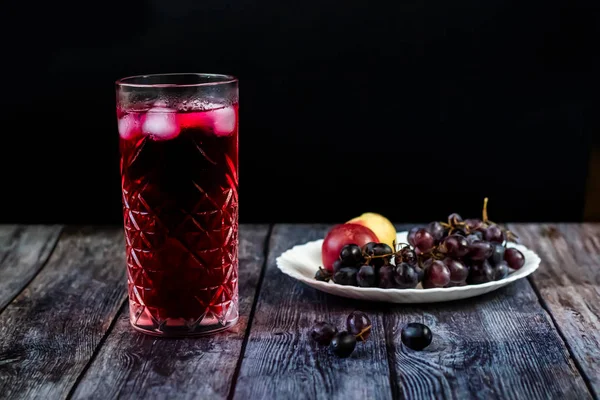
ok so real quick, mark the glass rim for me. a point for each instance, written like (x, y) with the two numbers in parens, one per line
(222, 79)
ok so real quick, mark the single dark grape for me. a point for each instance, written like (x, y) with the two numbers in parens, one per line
(351, 255)
(367, 249)
(323, 275)
(411, 235)
(480, 250)
(359, 324)
(500, 270)
(480, 272)
(407, 277)
(474, 225)
(455, 246)
(458, 270)
(437, 274)
(423, 241)
(337, 264)
(346, 276)
(436, 229)
(494, 234)
(474, 237)
(323, 332)
(387, 277)
(416, 336)
(381, 249)
(343, 344)
(454, 218)
(497, 254)
(366, 276)
(408, 256)
(514, 258)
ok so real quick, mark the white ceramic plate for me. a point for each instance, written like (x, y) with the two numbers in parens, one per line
(301, 262)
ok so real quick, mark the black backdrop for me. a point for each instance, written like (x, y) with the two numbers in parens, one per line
(413, 109)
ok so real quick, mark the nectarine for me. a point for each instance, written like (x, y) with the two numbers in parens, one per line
(380, 225)
(341, 235)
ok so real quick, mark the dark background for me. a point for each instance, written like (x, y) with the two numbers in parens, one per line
(411, 109)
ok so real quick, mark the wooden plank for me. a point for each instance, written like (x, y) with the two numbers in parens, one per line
(568, 282)
(50, 331)
(134, 365)
(499, 345)
(24, 249)
(282, 362)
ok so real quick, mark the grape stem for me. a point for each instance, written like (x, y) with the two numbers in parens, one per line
(488, 222)
(368, 257)
(484, 214)
(326, 274)
(361, 333)
(434, 253)
(453, 224)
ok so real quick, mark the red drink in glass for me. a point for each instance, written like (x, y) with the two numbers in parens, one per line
(179, 167)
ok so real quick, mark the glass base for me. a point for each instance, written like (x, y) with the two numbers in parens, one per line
(144, 321)
(184, 331)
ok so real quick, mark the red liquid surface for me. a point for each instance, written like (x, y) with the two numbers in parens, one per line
(180, 209)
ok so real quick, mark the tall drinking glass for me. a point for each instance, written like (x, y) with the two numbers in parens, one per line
(179, 176)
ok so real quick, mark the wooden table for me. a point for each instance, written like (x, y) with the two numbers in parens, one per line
(64, 329)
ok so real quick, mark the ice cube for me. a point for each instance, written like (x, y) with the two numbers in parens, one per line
(219, 120)
(129, 127)
(160, 104)
(223, 120)
(161, 123)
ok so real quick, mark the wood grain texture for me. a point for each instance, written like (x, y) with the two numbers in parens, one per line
(24, 249)
(496, 346)
(134, 365)
(568, 282)
(50, 331)
(282, 362)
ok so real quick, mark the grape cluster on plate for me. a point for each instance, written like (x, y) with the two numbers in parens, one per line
(440, 255)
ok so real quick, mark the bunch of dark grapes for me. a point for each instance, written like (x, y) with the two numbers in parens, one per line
(342, 343)
(441, 254)
(375, 265)
(461, 252)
